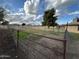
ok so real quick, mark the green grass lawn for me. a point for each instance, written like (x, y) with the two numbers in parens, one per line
(23, 35)
(74, 36)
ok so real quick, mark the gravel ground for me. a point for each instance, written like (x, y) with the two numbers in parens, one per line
(42, 48)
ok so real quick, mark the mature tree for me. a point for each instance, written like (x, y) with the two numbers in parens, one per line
(1, 14)
(23, 24)
(49, 18)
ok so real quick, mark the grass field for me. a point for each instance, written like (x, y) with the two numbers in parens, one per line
(41, 31)
(47, 32)
(74, 36)
(23, 35)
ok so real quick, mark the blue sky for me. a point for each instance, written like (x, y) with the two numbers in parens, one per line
(13, 5)
(31, 11)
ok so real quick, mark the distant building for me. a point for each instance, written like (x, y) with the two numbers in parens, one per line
(73, 26)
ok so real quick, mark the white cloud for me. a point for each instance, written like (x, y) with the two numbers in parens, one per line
(15, 18)
(61, 5)
(74, 13)
(52, 3)
(31, 10)
(39, 16)
(55, 4)
(21, 10)
(30, 7)
(63, 1)
(15, 22)
(20, 13)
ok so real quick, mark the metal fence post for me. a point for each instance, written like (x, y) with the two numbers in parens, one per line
(17, 38)
(64, 56)
(65, 41)
(17, 44)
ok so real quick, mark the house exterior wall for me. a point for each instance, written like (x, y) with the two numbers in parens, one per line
(73, 26)
(73, 29)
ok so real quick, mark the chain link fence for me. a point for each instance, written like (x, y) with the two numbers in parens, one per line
(72, 45)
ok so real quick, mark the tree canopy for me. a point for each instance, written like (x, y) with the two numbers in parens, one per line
(2, 20)
(1, 14)
(49, 18)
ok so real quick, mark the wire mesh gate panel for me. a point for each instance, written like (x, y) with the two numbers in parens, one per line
(72, 51)
(33, 46)
(7, 44)
(41, 47)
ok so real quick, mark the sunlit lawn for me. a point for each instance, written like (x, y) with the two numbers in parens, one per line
(57, 33)
(47, 31)
(23, 35)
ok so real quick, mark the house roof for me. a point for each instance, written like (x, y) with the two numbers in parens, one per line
(71, 24)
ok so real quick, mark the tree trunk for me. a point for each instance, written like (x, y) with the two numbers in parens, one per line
(53, 28)
(48, 27)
